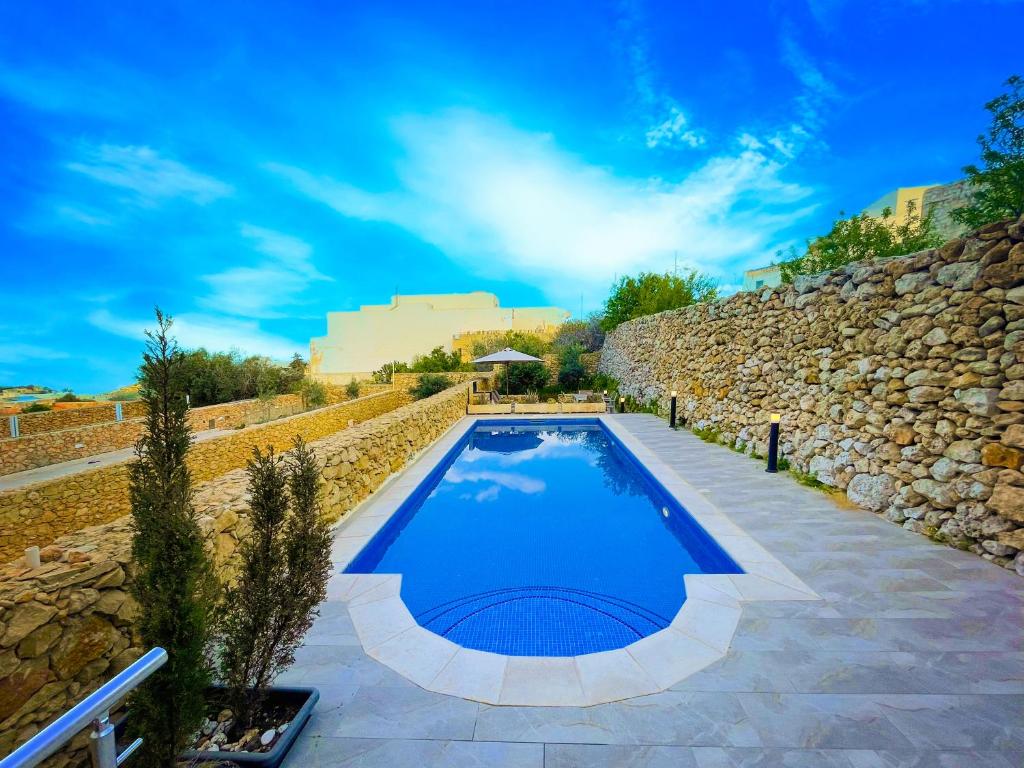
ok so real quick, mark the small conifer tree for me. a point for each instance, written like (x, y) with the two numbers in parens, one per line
(174, 582)
(285, 564)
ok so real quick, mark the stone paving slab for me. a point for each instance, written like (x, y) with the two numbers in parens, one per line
(912, 658)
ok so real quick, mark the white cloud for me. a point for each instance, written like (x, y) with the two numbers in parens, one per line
(673, 132)
(278, 281)
(14, 352)
(150, 177)
(217, 334)
(500, 199)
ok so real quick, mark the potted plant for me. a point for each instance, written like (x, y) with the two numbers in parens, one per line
(282, 578)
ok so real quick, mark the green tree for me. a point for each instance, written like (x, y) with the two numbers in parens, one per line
(430, 384)
(522, 377)
(999, 184)
(174, 582)
(571, 372)
(650, 293)
(383, 375)
(586, 334)
(285, 565)
(864, 236)
(313, 393)
(439, 361)
(352, 389)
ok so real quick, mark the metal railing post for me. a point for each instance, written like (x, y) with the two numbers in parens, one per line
(93, 710)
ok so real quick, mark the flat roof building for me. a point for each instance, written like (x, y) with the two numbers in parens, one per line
(360, 342)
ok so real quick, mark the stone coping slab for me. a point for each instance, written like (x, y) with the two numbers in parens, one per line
(699, 635)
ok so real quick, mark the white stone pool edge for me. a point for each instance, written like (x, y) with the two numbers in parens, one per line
(699, 635)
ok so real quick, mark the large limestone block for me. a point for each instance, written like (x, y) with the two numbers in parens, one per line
(1008, 501)
(84, 641)
(871, 491)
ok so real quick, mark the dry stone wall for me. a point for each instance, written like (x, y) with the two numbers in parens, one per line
(900, 381)
(68, 626)
(44, 446)
(39, 513)
(51, 421)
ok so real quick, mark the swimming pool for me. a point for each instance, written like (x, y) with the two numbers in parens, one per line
(542, 538)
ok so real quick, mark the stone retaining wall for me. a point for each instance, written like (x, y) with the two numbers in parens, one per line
(41, 512)
(406, 381)
(51, 421)
(900, 381)
(67, 626)
(44, 447)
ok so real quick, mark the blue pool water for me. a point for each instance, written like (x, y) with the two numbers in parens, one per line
(542, 539)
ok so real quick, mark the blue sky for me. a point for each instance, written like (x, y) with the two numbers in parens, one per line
(250, 166)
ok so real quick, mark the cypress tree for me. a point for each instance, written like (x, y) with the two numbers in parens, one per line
(285, 564)
(174, 582)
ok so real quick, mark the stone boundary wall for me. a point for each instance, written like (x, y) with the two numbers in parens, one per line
(67, 627)
(39, 513)
(45, 448)
(51, 421)
(900, 381)
(406, 381)
(337, 394)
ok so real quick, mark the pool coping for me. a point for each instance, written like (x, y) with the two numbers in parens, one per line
(699, 635)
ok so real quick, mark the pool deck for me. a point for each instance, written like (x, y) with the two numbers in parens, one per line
(912, 656)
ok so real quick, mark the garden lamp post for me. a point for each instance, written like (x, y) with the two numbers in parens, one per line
(622, 405)
(672, 412)
(773, 443)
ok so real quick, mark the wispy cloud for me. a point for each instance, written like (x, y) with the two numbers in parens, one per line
(666, 124)
(218, 334)
(495, 197)
(817, 90)
(150, 177)
(673, 131)
(278, 281)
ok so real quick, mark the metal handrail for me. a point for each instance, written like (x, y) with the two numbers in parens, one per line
(93, 710)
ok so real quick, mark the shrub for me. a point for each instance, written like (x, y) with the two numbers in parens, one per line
(285, 564)
(864, 237)
(430, 384)
(36, 408)
(384, 374)
(586, 334)
(71, 397)
(439, 361)
(313, 393)
(174, 582)
(352, 389)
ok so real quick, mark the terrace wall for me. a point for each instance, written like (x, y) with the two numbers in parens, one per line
(39, 513)
(67, 626)
(51, 421)
(900, 381)
(50, 443)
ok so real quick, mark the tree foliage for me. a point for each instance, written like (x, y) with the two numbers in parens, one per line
(174, 582)
(521, 377)
(383, 375)
(650, 293)
(571, 372)
(352, 389)
(220, 377)
(430, 384)
(998, 185)
(313, 393)
(586, 334)
(285, 565)
(864, 237)
(439, 361)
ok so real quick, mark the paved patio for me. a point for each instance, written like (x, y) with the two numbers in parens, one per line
(913, 658)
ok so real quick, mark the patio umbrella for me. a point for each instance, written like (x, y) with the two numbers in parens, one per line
(508, 356)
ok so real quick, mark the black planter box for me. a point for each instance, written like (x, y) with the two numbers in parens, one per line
(306, 698)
